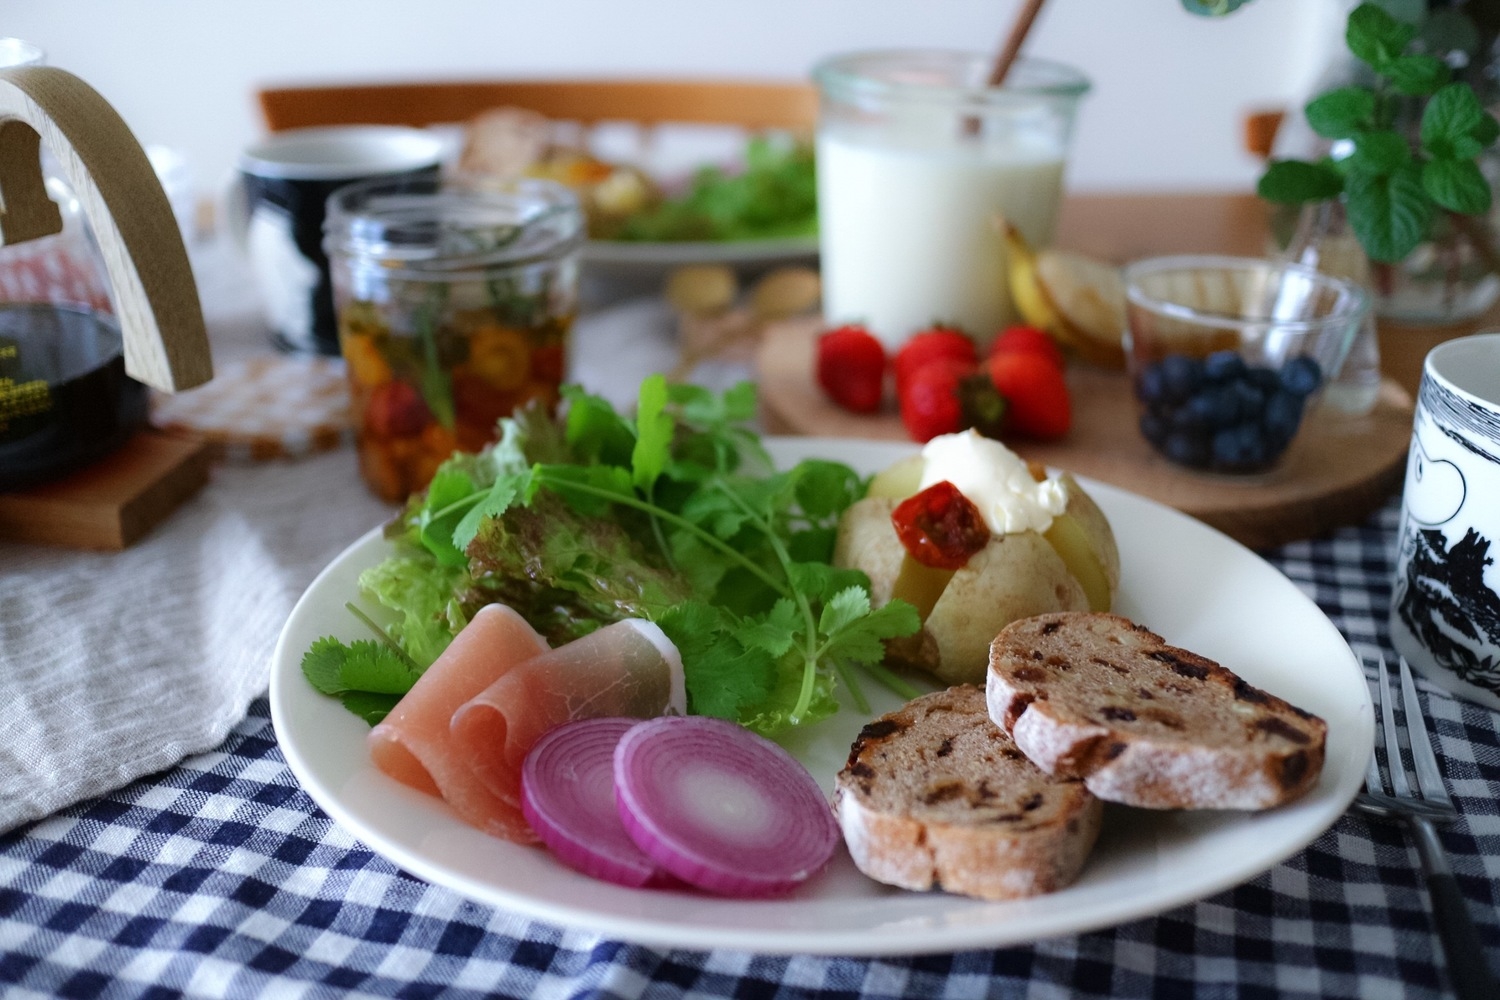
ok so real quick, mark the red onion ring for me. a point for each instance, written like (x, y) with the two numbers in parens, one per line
(720, 807)
(568, 797)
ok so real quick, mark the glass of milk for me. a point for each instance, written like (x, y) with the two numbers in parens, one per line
(920, 162)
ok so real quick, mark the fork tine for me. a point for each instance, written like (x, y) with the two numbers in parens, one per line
(1373, 783)
(1428, 776)
(1393, 764)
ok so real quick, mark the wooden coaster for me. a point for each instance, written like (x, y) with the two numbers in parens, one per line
(109, 505)
(274, 406)
(1338, 472)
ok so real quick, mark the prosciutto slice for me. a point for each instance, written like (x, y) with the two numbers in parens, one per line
(627, 669)
(414, 744)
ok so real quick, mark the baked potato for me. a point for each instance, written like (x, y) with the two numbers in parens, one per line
(1073, 565)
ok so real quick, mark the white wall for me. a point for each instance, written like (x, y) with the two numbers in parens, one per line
(1170, 89)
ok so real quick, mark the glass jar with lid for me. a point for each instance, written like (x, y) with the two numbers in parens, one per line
(454, 308)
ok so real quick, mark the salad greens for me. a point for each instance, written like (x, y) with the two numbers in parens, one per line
(676, 516)
(774, 196)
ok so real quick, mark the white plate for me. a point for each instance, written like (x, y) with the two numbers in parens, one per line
(630, 255)
(1193, 585)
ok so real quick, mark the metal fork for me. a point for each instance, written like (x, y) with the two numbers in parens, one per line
(1468, 970)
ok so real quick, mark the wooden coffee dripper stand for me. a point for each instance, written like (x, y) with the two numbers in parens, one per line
(155, 298)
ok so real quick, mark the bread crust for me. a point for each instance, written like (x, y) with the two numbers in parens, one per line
(1144, 723)
(935, 796)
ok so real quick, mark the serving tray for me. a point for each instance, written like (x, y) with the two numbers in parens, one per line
(1338, 472)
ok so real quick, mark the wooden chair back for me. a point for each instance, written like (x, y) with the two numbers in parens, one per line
(751, 104)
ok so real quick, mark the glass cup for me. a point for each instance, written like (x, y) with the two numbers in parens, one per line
(1227, 355)
(918, 161)
(454, 309)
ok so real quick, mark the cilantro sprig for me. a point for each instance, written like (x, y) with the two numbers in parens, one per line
(675, 515)
(1396, 182)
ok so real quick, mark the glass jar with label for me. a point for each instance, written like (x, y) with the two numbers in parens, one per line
(454, 309)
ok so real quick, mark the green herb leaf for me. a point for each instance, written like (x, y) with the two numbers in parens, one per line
(1457, 185)
(1417, 75)
(1380, 153)
(653, 433)
(1375, 37)
(1389, 214)
(1342, 113)
(1455, 125)
(1292, 182)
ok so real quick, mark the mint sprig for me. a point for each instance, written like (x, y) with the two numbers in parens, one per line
(1394, 184)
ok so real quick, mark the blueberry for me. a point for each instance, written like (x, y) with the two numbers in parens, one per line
(1265, 379)
(1150, 384)
(1181, 376)
(1217, 406)
(1301, 376)
(1282, 416)
(1249, 399)
(1223, 366)
(1240, 448)
(1187, 448)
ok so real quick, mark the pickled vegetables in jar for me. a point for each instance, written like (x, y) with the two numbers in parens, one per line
(454, 309)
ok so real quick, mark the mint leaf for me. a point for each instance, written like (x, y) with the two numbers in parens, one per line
(1375, 37)
(1379, 153)
(1292, 182)
(1457, 185)
(1389, 215)
(1342, 113)
(1455, 124)
(1417, 75)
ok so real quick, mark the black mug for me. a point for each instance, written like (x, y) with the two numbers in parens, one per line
(284, 184)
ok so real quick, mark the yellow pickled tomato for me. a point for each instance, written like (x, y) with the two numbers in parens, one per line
(367, 366)
(500, 355)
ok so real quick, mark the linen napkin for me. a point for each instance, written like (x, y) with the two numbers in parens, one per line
(117, 665)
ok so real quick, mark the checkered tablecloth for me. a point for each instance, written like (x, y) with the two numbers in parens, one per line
(221, 877)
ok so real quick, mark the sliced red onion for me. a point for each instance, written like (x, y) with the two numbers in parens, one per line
(568, 797)
(720, 807)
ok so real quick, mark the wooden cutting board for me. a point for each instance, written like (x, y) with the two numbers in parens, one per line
(1338, 472)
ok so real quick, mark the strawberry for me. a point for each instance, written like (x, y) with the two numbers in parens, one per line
(1027, 340)
(851, 368)
(1036, 396)
(929, 345)
(930, 400)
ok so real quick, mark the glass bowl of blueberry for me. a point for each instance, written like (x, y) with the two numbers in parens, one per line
(1228, 355)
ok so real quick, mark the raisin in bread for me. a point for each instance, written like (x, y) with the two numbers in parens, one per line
(935, 796)
(1098, 697)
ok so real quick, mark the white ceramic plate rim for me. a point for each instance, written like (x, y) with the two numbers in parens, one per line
(1189, 582)
(624, 253)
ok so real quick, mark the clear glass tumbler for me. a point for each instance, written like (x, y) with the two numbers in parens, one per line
(919, 161)
(454, 309)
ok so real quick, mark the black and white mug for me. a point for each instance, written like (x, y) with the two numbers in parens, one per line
(1445, 606)
(279, 205)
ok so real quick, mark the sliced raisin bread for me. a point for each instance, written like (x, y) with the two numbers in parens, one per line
(1098, 697)
(935, 796)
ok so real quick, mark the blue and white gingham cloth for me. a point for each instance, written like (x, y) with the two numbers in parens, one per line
(221, 878)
